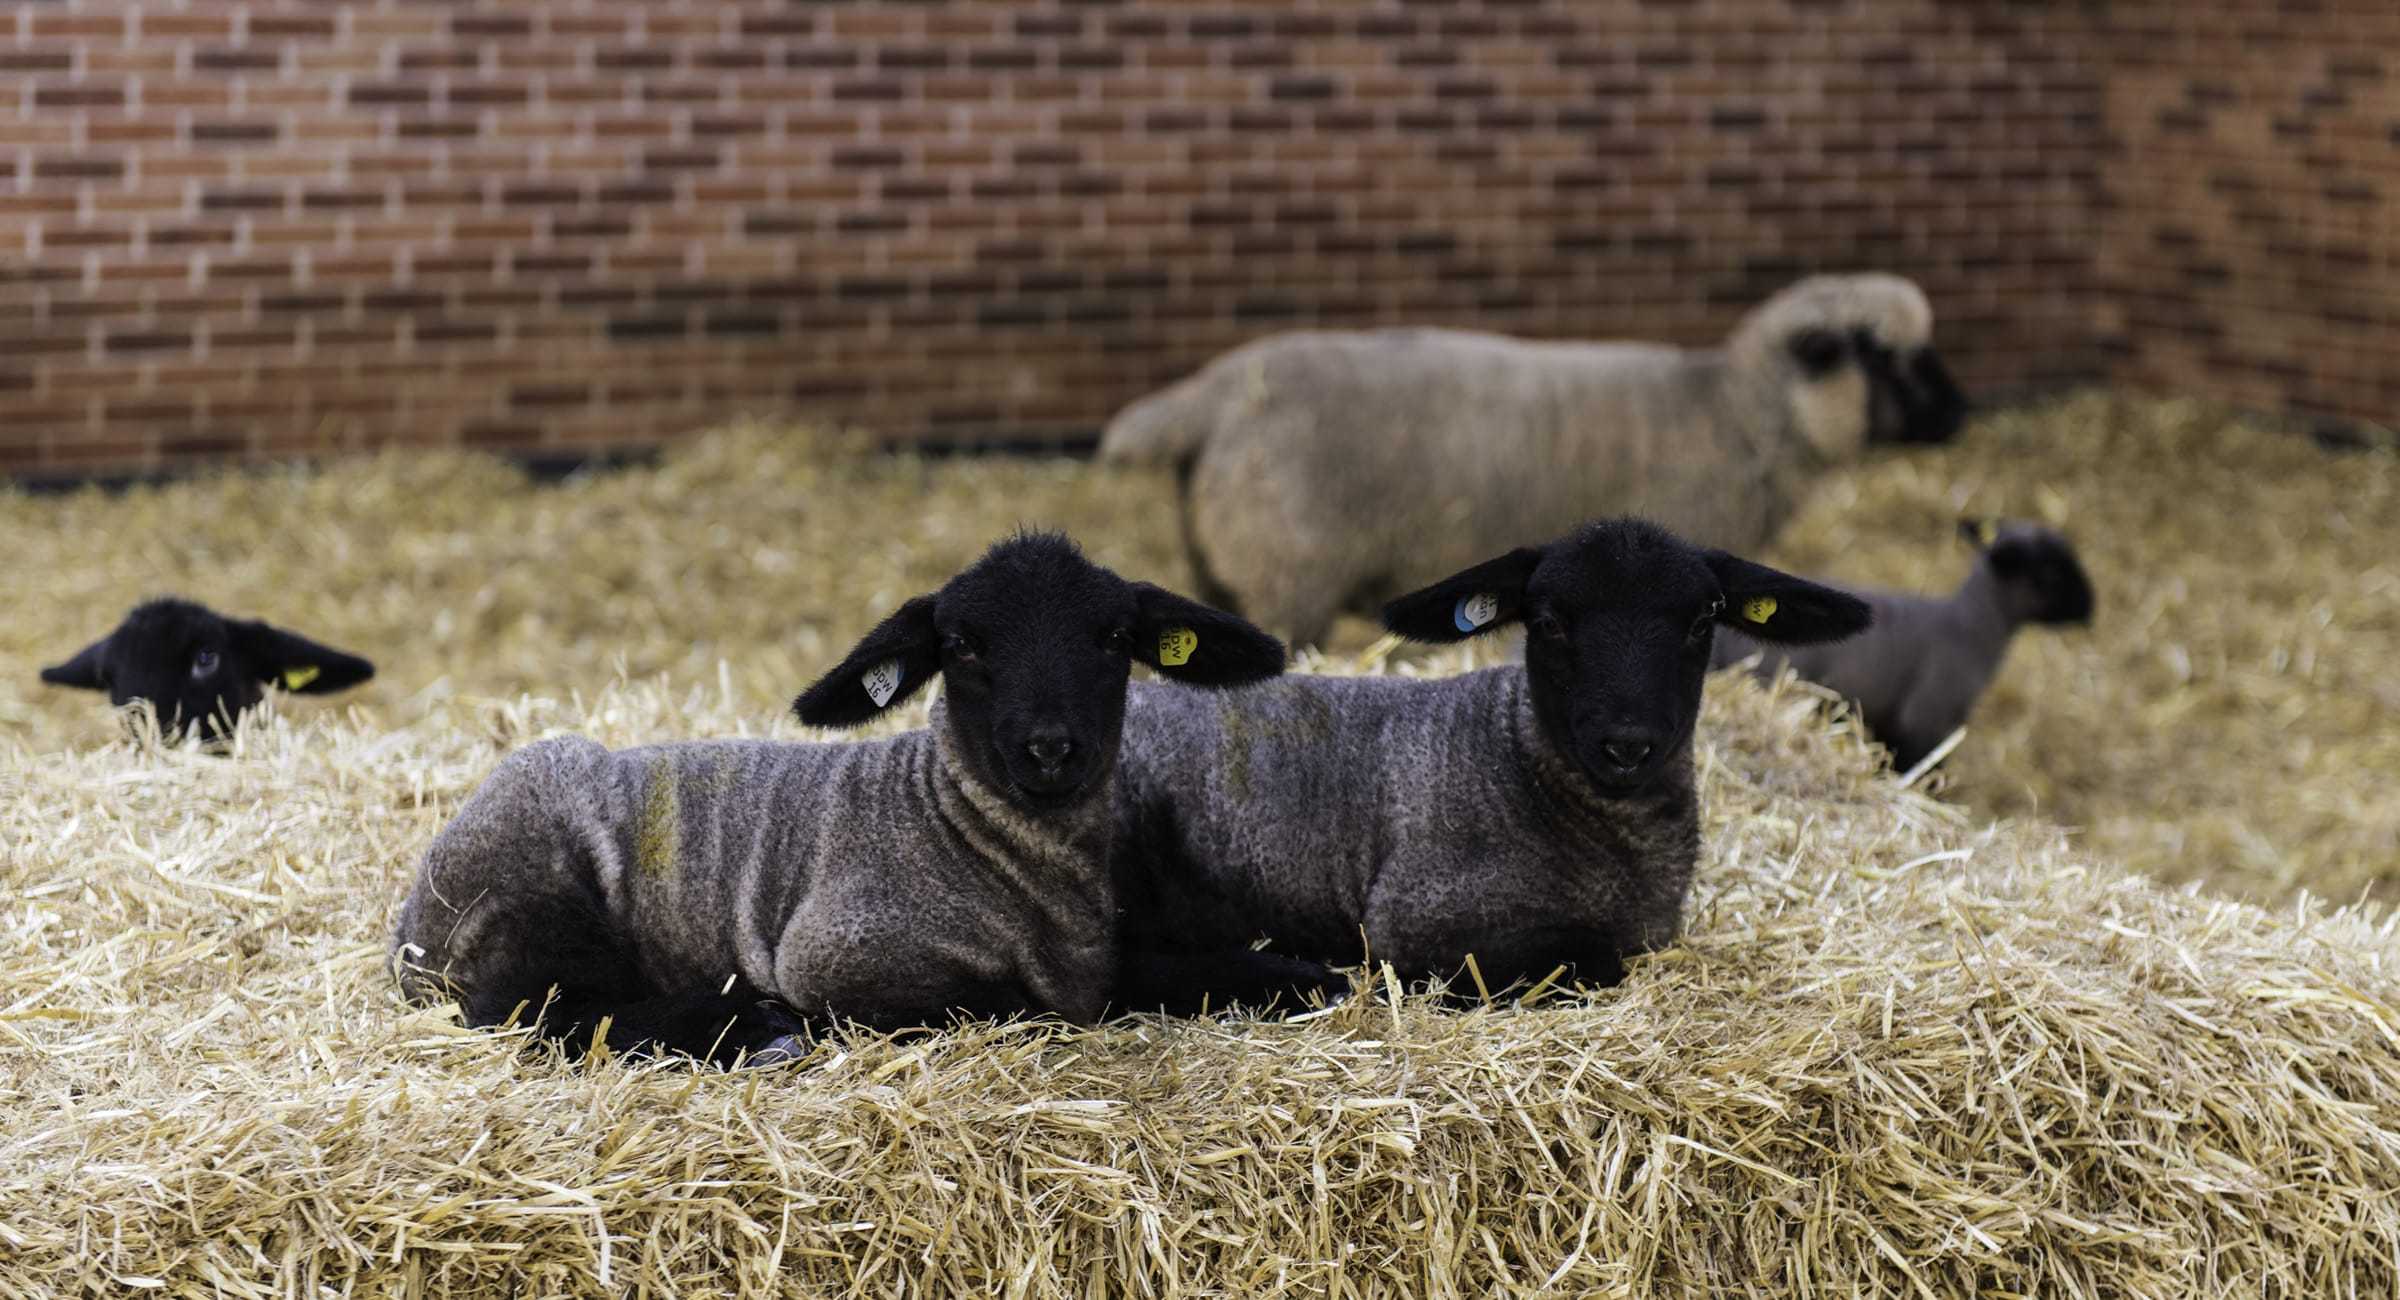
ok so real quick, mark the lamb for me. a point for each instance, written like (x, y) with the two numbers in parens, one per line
(1525, 817)
(712, 899)
(1321, 472)
(199, 669)
(1917, 674)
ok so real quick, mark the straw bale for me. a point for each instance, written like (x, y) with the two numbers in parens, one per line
(1904, 1051)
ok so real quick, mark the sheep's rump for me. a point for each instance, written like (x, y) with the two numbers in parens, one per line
(692, 856)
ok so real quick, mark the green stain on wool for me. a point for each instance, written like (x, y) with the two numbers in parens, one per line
(1249, 727)
(654, 840)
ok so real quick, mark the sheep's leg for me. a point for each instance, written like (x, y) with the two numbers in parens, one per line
(556, 965)
(1580, 954)
(716, 1027)
(1189, 983)
(931, 1004)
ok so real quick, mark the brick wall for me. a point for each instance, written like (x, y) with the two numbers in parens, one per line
(2250, 240)
(263, 229)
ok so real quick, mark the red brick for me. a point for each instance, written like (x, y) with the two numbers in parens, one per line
(969, 221)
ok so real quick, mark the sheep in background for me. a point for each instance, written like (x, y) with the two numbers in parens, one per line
(712, 898)
(196, 667)
(1323, 472)
(1528, 816)
(1915, 675)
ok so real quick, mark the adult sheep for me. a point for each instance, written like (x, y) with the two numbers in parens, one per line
(711, 898)
(1325, 472)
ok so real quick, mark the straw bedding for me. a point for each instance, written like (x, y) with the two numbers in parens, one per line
(2233, 714)
(1904, 1051)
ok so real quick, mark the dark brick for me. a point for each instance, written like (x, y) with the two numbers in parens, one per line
(373, 93)
(147, 341)
(636, 329)
(870, 223)
(79, 96)
(739, 324)
(548, 396)
(78, 169)
(234, 132)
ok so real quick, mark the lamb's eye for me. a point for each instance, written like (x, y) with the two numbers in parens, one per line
(1707, 620)
(1119, 642)
(204, 664)
(1545, 624)
(962, 647)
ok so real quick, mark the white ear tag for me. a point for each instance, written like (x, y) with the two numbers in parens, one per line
(882, 681)
(1475, 611)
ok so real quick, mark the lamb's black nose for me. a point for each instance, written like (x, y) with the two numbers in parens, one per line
(1050, 750)
(1627, 750)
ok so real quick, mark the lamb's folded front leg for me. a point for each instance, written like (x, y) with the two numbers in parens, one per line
(721, 1028)
(559, 967)
(1519, 957)
(1190, 983)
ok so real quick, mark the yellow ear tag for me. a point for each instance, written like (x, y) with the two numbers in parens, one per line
(1759, 609)
(295, 678)
(1175, 646)
(1987, 532)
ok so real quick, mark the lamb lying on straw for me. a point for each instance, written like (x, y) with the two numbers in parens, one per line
(1895, 1054)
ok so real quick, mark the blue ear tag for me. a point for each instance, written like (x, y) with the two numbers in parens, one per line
(1475, 611)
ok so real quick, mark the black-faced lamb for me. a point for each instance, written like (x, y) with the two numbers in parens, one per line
(1530, 816)
(1323, 472)
(199, 669)
(1916, 675)
(710, 898)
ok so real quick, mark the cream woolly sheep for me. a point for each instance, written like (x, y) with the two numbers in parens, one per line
(1324, 472)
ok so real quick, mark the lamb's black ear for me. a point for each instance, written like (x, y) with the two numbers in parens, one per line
(1188, 642)
(1771, 605)
(294, 663)
(1468, 603)
(883, 669)
(83, 671)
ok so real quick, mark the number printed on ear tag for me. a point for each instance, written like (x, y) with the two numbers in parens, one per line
(295, 678)
(1475, 611)
(882, 681)
(1175, 646)
(1759, 609)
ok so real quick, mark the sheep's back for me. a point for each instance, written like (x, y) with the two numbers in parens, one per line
(1434, 449)
(1271, 808)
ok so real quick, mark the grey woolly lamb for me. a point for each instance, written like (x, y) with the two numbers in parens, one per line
(1327, 471)
(1527, 817)
(711, 898)
(1916, 675)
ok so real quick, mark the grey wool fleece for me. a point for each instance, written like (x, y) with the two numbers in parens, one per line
(1430, 816)
(723, 859)
(1918, 671)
